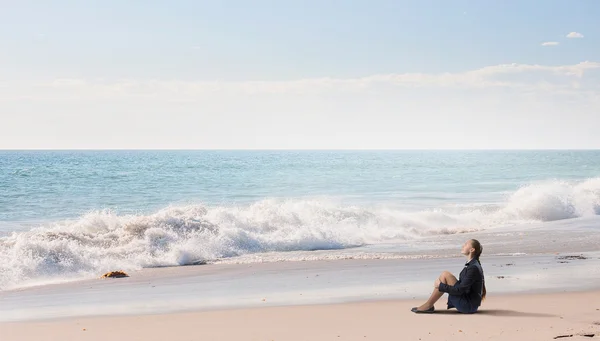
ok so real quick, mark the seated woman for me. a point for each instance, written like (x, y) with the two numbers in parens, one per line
(464, 294)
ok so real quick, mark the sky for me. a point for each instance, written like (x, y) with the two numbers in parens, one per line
(376, 74)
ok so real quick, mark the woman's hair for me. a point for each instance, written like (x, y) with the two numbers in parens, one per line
(478, 249)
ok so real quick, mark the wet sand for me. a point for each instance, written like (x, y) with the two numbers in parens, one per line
(505, 317)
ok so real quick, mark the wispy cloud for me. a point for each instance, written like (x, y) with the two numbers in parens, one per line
(574, 35)
(521, 77)
(550, 43)
(565, 70)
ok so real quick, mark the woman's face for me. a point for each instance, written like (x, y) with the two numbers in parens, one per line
(467, 248)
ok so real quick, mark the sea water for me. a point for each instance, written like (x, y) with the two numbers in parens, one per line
(68, 215)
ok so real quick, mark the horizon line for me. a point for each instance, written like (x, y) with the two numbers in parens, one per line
(297, 149)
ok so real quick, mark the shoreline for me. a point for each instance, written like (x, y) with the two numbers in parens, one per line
(531, 296)
(570, 236)
(247, 286)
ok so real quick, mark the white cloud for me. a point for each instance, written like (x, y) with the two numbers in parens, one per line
(490, 76)
(550, 43)
(523, 77)
(574, 35)
(498, 106)
(566, 70)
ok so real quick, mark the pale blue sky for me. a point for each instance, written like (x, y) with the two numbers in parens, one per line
(299, 74)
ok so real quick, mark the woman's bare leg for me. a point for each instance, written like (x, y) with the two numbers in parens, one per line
(447, 278)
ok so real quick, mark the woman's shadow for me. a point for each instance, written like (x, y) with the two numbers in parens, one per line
(499, 312)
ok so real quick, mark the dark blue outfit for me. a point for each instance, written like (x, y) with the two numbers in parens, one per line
(466, 294)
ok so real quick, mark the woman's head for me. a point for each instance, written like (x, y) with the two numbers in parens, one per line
(478, 249)
(472, 248)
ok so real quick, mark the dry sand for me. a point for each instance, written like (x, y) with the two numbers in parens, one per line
(509, 317)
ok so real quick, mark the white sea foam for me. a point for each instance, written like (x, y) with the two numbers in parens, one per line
(103, 241)
(555, 200)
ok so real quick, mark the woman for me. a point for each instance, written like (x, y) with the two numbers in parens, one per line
(464, 294)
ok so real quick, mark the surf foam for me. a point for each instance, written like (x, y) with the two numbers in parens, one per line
(102, 241)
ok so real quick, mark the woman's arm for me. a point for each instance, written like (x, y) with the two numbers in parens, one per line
(464, 286)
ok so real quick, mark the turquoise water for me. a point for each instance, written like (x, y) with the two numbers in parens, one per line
(74, 214)
(49, 185)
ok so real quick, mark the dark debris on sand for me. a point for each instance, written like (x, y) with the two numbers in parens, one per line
(114, 274)
(571, 335)
(572, 257)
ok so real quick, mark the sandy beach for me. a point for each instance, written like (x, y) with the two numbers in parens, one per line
(532, 297)
(505, 317)
(364, 294)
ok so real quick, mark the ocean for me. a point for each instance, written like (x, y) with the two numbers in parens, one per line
(68, 215)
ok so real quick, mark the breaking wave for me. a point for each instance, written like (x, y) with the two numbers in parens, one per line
(102, 241)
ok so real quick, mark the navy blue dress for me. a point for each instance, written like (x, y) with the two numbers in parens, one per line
(466, 294)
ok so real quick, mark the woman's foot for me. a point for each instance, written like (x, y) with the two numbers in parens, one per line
(418, 311)
(424, 306)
